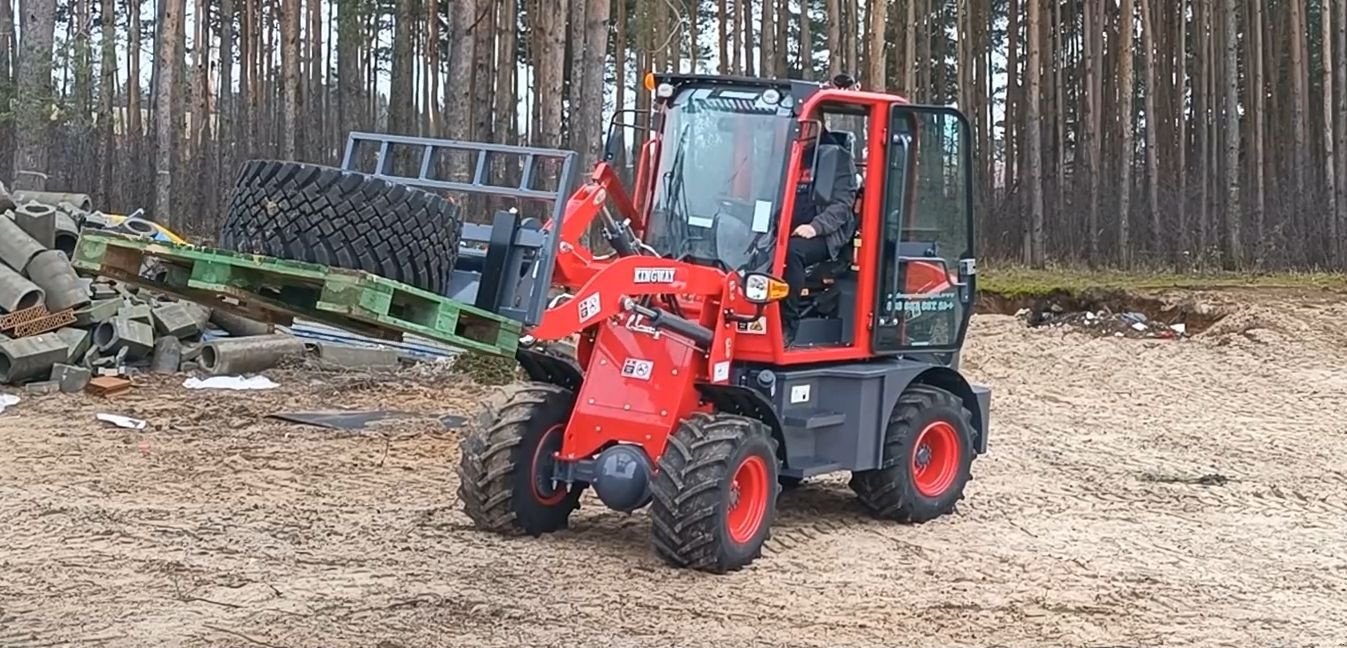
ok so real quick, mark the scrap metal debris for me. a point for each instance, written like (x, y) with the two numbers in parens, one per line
(1103, 323)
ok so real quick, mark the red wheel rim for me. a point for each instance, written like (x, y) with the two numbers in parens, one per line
(540, 481)
(935, 459)
(748, 499)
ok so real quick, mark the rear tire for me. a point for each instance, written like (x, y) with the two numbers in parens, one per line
(928, 456)
(505, 462)
(306, 212)
(715, 493)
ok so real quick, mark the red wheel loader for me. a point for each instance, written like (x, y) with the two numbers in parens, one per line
(683, 393)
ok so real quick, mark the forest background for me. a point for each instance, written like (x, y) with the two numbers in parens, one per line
(1180, 134)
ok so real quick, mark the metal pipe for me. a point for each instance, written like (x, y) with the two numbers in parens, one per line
(231, 356)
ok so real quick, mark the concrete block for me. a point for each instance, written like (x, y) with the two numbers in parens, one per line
(135, 337)
(67, 234)
(97, 312)
(44, 387)
(357, 357)
(175, 320)
(54, 198)
(104, 290)
(200, 314)
(17, 248)
(51, 271)
(167, 356)
(17, 292)
(39, 221)
(138, 312)
(30, 357)
(6, 202)
(77, 340)
(71, 379)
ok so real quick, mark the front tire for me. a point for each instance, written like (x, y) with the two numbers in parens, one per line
(928, 456)
(715, 493)
(506, 461)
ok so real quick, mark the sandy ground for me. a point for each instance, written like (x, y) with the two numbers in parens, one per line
(1137, 492)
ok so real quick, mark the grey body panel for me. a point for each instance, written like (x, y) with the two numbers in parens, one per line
(833, 417)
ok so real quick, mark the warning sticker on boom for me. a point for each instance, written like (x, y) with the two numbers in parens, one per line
(590, 307)
(637, 368)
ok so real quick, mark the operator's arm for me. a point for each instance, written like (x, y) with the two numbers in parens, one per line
(839, 211)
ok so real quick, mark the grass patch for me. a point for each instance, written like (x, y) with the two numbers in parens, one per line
(1019, 281)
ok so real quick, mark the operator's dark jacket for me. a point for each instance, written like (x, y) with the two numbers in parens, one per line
(833, 199)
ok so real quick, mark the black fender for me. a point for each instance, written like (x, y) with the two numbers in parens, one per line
(733, 399)
(976, 399)
(555, 365)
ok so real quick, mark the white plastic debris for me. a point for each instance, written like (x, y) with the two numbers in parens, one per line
(235, 383)
(1138, 326)
(121, 421)
(7, 400)
(1180, 328)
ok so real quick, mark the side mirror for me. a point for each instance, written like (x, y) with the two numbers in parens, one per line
(764, 289)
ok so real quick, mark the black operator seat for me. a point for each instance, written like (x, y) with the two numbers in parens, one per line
(836, 148)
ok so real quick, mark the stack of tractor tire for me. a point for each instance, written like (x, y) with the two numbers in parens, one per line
(345, 219)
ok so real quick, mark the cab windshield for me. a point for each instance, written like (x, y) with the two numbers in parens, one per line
(719, 176)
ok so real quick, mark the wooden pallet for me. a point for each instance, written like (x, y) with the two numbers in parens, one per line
(278, 290)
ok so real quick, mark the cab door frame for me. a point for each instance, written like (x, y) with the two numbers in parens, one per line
(914, 279)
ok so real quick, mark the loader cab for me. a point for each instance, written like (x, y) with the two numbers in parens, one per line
(730, 158)
(905, 285)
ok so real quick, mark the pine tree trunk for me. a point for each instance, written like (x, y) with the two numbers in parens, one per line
(723, 31)
(1152, 124)
(290, 87)
(224, 148)
(1299, 108)
(595, 64)
(910, 50)
(350, 91)
(1234, 248)
(1340, 124)
(1203, 118)
(7, 61)
(458, 87)
(876, 73)
(484, 71)
(1330, 164)
(1012, 120)
(806, 41)
(836, 57)
(401, 86)
(1125, 111)
(552, 29)
(166, 126)
(1180, 124)
(1093, 111)
(1034, 141)
(200, 62)
(33, 94)
(107, 100)
(507, 34)
(770, 68)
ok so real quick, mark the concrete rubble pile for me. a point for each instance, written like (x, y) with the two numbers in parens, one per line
(60, 332)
